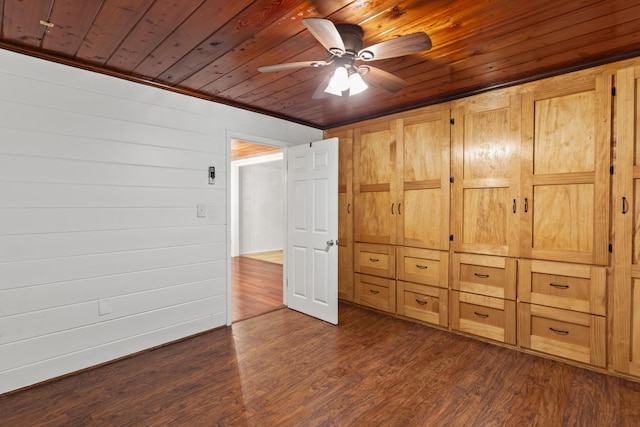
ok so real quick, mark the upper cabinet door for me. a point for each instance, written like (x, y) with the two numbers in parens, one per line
(374, 181)
(485, 146)
(565, 169)
(626, 218)
(423, 210)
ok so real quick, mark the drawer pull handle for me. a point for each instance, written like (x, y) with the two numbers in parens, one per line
(482, 276)
(392, 205)
(374, 259)
(373, 291)
(526, 205)
(482, 315)
(422, 267)
(514, 206)
(625, 205)
(555, 285)
(349, 208)
(399, 206)
(559, 331)
(421, 302)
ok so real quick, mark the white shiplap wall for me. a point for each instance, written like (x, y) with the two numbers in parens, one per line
(99, 183)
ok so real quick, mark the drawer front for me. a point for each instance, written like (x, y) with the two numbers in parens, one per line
(423, 266)
(576, 287)
(376, 260)
(487, 317)
(563, 333)
(375, 292)
(426, 303)
(485, 275)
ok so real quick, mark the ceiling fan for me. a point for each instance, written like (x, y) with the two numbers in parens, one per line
(345, 47)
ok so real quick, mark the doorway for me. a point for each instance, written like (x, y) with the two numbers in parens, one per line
(257, 191)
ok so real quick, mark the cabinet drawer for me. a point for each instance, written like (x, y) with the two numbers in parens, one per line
(376, 292)
(427, 303)
(575, 287)
(377, 260)
(485, 275)
(423, 266)
(563, 333)
(488, 317)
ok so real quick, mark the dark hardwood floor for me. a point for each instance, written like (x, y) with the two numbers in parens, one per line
(256, 287)
(287, 369)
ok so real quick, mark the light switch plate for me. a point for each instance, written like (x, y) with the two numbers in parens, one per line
(202, 211)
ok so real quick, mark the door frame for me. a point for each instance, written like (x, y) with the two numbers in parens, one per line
(230, 136)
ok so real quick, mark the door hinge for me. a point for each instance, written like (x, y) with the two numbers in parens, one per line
(611, 170)
(613, 91)
(451, 237)
(452, 121)
(610, 248)
(311, 145)
(451, 179)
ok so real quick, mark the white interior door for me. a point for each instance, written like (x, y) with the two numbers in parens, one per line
(312, 230)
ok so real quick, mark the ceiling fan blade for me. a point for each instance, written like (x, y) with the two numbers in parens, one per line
(384, 79)
(292, 66)
(400, 46)
(326, 33)
(320, 93)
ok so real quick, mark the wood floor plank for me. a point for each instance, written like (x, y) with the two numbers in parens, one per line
(256, 287)
(287, 369)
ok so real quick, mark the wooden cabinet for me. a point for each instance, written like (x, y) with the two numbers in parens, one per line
(345, 212)
(375, 292)
(564, 333)
(485, 275)
(377, 260)
(483, 296)
(488, 317)
(401, 179)
(575, 287)
(626, 219)
(562, 308)
(485, 145)
(424, 172)
(423, 280)
(426, 303)
(375, 182)
(565, 168)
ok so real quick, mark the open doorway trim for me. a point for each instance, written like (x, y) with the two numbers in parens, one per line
(232, 136)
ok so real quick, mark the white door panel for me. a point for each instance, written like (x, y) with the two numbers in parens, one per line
(312, 181)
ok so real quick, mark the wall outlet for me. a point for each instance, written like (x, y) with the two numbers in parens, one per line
(202, 211)
(104, 306)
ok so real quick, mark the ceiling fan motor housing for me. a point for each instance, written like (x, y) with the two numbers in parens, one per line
(352, 37)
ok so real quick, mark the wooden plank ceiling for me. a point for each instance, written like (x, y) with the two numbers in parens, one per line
(212, 48)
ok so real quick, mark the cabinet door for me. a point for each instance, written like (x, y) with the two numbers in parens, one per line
(626, 217)
(374, 167)
(565, 170)
(345, 212)
(423, 210)
(485, 140)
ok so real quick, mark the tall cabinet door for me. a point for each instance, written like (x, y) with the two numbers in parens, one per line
(374, 180)
(423, 211)
(626, 221)
(485, 145)
(565, 169)
(345, 212)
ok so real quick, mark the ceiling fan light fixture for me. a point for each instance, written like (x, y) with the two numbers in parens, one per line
(356, 84)
(339, 81)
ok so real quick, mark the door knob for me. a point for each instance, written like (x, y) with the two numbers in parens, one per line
(330, 242)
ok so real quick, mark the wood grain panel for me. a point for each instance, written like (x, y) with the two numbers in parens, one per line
(485, 145)
(110, 26)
